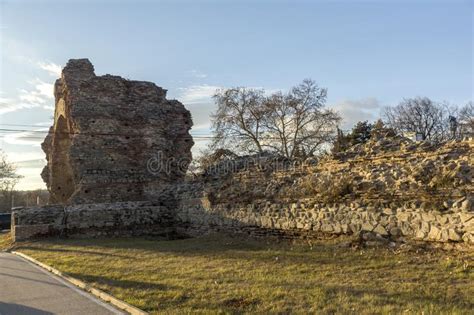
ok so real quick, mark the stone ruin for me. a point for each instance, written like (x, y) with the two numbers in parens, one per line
(106, 129)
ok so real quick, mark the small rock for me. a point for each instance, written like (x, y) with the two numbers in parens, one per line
(429, 217)
(379, 229)
(395, 231)
(434, 233)
(337, 228)
(443, 236)
(467, 205)
(326, 228)
(468, 237)
(454, 236)
(403, 216)
(442, 219)
(367, 227)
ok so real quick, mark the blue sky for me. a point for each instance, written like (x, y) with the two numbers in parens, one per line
(369, 54)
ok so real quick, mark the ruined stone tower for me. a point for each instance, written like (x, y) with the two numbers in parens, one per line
(106, 129)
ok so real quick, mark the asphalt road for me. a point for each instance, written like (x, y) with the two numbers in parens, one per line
(27, 289)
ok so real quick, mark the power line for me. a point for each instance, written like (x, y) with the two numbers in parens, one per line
(7, 130)
(20, 125)
(44, 132)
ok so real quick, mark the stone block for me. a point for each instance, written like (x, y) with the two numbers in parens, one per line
(453, 235)
(403, 216)
(379, 229)
(468, 237)
(366, 226)
(327, 228)
(395, 231)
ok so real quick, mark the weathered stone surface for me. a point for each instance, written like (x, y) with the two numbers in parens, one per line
(25, 232)
(107, 134)
(120, 218)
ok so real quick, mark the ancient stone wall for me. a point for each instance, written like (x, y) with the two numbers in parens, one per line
(105, 171)
(106, 129)
(397, 190)
(309, 217)
(390, 188)
(91, 220)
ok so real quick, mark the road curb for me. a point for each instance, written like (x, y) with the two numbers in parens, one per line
(86, 287)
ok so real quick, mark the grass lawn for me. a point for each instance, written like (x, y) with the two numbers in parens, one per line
(220, 274)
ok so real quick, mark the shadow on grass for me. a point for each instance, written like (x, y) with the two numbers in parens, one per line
(216, 245)
(70, 250)
(200, 245)
(122, 284)
(320, 256)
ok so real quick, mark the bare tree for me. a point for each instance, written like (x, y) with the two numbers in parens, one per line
(297, 123)
(8, 180)
(291, 124)
(238, 121)
(422, 116)
(466, 119)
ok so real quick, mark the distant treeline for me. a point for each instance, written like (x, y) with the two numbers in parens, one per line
(24, 198)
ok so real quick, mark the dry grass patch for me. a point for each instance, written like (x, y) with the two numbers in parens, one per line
(5, 240)
(219, 274)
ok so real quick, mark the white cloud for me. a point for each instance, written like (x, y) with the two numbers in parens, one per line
(353, 111)
(9, 105)
(31, 138)
(40, 95)
(31, 96)
(197, 74)
(5, 104)
(44, 123)
(201, 128)
(197, 94)
(52, 68)
(198, 99)
(44, 89)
